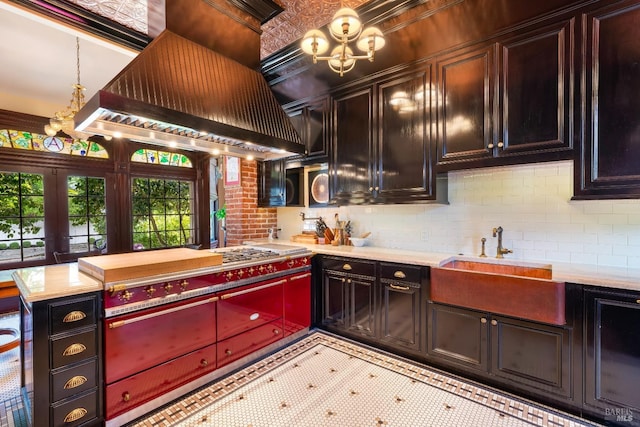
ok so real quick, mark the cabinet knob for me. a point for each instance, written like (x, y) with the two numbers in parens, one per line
(370, 188)
(494, 322)
(204, 363)
(490, 145)
(377, 188)
(483, 320)
(227, 352)
(126, 396)
(500, 144)
(638, 301)
(276, 332)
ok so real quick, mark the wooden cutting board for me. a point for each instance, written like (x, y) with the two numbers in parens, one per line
(135, 265)
(305, 238)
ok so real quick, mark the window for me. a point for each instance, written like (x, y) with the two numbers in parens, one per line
(162, 213)
(87, 214)
(21, 140)
(21, 217)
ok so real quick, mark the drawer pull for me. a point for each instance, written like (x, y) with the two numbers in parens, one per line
(126, 396)
(204, 363)
(257, 288)
(399, 288)
(75, 415)
(74, 316)
(347, 267)
(399, 275)
(74, 382)
(74, 349)
(638, 301)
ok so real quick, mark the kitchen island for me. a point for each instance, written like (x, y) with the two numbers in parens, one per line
(98, 351)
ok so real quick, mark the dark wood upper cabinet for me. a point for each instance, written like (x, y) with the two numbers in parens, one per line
(466, 94)
(404, 166)
(609, 165)
(508, 102)
(311, 121)
(536, 91)
(271, 183)
(351, 167)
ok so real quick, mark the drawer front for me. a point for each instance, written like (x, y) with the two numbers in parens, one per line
(68, 315)
(400, 272)
(125, 395)
(248, 342)
(77, 411)
(144, 339)
(245, 308)
(78, 379)
(350, 266)
(74, 348)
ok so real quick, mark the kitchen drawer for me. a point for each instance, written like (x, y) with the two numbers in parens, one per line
(130, 392)
(350, 266)
(77, 411)
(73, 348)
(70, 381)
(245, 308)
(73, 314)
(241, 345)
(391, 272)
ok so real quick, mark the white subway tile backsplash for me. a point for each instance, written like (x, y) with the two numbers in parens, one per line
(531, 202)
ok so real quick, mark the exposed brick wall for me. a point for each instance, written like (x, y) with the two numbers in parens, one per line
(245, 220)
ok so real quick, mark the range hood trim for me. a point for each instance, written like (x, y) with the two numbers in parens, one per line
(89, 120)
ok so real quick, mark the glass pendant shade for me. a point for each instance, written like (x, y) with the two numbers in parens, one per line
(371, 38)
(314, 37)
(340, 63)
(345, 19)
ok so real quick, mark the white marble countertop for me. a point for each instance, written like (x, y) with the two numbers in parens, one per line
(610, 277)
(53, 281)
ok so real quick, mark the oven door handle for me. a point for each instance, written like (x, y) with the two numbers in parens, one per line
(300, 276)
(119, 323)
(257, 288)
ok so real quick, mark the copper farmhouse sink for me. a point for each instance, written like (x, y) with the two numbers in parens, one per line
(520, 290)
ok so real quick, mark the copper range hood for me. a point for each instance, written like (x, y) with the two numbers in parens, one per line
(185, 91)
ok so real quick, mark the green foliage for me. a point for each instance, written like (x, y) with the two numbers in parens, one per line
(3, 246)
(87, 202)
(40, 243)
(221, 213)
(161, 212)
(14, 245)
(21, 195)
(26, 244)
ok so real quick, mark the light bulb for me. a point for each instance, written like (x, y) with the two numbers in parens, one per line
(317, 37)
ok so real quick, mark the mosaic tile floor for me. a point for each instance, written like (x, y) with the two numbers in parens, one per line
(322, 380)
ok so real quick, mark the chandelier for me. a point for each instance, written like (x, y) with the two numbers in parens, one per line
(344, 28)
(63, 120)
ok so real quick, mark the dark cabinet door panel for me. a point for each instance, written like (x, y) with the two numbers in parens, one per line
(404, 163)
(457, 336)
(537, 91)
(333, 308)
(351, 168)
(609, 159)
(362, 300)
(531, 354)
(466, 91)
(612, 351)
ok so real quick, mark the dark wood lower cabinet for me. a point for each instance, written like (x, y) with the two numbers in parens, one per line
(612, 352)
(529, 356)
